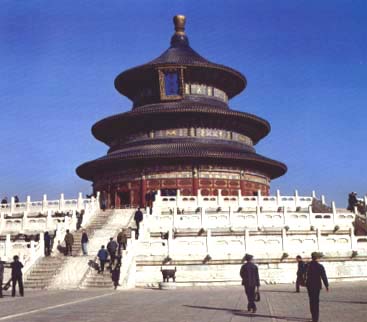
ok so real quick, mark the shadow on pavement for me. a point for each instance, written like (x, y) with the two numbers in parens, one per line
(247, 314)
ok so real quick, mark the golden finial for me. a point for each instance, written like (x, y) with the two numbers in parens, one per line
(179, 21)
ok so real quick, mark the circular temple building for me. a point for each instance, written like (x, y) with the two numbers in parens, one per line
(180, 133)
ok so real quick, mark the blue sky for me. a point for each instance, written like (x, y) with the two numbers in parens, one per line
(305, 62)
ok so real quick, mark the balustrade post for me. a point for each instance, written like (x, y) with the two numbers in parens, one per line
(66, 222)
(73, 219)
(25, 221)
(61, 202)
(12, 205)
(28, 203)
(296, 198)
(170, 245)
(355, 210)
(133, 236)
(178, 199)
(219, 197)
(80, 201)
(323, 200)
(239, 200)
(2, 221)
(284, 241)
(247, 241)
(259, 199)
(353, 239)
(258, 212)
(8, 246)
(279, 198)
(365, 200)
(310, 215)
(333, 207)
(32, 250)
(200, 202)
(313, 194)
(175, 218)
(44, 203)
(318, 238)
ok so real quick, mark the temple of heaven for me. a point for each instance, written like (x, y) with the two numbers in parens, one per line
(180, 133)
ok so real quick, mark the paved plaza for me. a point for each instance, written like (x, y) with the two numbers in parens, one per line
(346, 302)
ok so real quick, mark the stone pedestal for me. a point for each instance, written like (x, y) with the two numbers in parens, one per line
(167, 286)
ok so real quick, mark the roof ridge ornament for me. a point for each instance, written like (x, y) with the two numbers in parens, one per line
(179, 39)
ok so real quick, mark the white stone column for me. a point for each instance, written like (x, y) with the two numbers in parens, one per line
(259, 198)
(178, 199)
(310, 215)
(318, 238)
(284, 241)
(32, 250)
(334, 212)
(28, 203)
(44, 203)
(353, 239)
(219, 197)
(313, 194)
(279, 199)
(25, 221)
(247, 240)
(12, 205)
(258, 216)
(175, 220)
(296, 198)
(323, 200)
(61, 202)
(80, 201)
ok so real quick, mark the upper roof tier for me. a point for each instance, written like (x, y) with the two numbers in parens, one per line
(180, 65)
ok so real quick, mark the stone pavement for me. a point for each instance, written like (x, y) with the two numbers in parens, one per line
(346, 302)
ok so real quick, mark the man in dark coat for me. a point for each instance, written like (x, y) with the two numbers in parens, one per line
(250, 280)
(47, 240)
(17, 276)
(69, 241)
(138, 217)
(1, 277)
(112, 248)
(122, 240)
(300, 273)
(102, 256)
(315, 273)
(84, 241)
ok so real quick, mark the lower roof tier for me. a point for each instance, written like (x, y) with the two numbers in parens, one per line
(183, 114)
(181, 153)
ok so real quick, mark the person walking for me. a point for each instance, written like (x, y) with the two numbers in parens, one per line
(301, 270)
(251, 281)
(102, 256)
(84, 241)
(1, 277)
(47, 239)
(69, 241)
(115, 272)
(315, 273)
(112, 248)
(122, 240)
(138, 217)
(17, 276)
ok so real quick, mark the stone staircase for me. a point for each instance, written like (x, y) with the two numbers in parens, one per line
(45, 270)
(95, 280)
